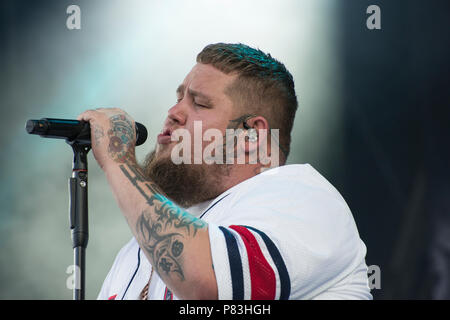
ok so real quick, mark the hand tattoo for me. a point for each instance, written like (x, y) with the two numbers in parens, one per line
(121, 139)
(98, 134)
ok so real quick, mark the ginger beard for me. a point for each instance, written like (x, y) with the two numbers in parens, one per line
(185, 184)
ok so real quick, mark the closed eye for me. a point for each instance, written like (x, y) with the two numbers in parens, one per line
(200, 105)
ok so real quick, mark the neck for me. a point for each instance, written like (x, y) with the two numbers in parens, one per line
(238, 174)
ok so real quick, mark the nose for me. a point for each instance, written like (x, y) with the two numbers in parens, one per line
(177, 114)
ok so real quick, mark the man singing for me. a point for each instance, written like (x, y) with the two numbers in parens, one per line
(231, 220)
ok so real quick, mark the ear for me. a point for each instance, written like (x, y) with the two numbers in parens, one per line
(256, 134)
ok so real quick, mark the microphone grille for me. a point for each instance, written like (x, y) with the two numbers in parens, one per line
(141, 133)
(36, 127)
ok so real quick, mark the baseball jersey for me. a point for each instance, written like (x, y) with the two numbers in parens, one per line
(286, 233)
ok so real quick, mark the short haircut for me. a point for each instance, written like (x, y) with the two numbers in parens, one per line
(263, 86)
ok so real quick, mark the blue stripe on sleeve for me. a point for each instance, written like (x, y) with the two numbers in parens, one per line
(237, 276)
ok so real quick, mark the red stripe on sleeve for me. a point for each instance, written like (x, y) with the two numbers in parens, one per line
(168, 294)
(262, 275)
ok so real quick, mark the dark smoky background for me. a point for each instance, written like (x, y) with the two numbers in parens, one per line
(395, 173)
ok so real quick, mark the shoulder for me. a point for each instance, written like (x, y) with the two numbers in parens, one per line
(290, 193)
(296, 210)
(300, 180)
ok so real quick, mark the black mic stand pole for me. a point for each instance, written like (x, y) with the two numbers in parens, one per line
(78, 214)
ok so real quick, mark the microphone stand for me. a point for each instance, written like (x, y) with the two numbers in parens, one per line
(78, 213)
(78, 183)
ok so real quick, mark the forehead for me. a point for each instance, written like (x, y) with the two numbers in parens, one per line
(208, 80)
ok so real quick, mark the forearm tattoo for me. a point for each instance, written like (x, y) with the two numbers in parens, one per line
(163, 227)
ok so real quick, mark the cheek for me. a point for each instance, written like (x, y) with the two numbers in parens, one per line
(212, 126)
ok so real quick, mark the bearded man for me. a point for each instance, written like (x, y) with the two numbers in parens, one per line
(227, 229)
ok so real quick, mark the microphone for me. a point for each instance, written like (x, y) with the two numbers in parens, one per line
(72, 130)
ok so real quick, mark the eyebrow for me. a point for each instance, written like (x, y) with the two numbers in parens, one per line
(180, 89)
(194, 93)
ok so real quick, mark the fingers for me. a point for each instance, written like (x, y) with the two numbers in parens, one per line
(85, 116)
(92, 114)
(113, 137)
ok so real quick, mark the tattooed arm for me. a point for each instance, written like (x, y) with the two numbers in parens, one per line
(175, 242)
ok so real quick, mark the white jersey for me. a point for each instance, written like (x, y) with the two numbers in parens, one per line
(284, 234)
